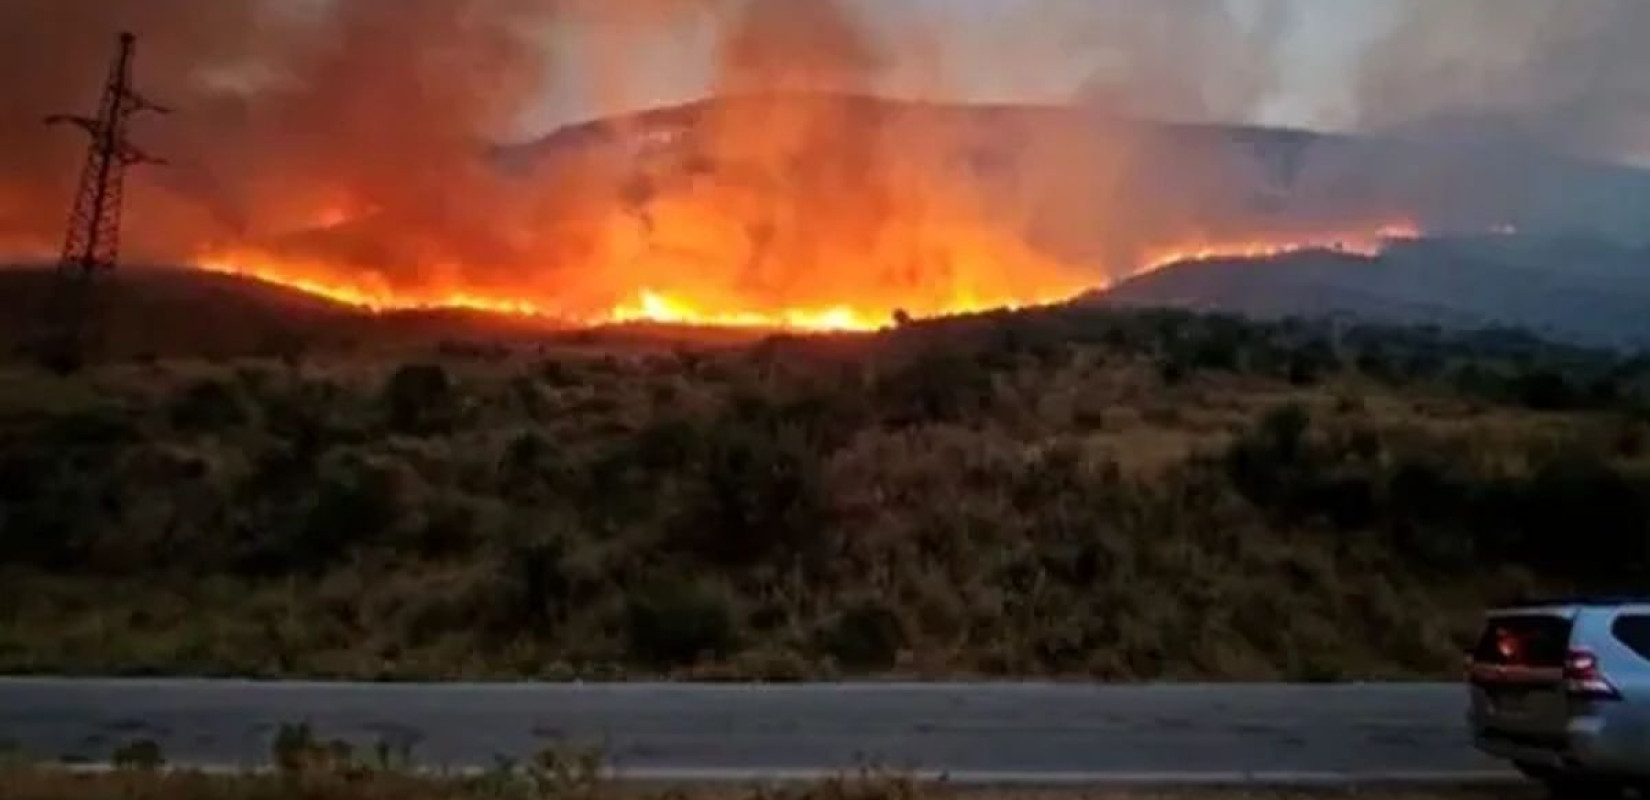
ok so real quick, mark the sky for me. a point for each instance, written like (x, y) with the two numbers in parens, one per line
(1316, 53)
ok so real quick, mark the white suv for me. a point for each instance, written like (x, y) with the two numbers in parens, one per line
(1562, 689)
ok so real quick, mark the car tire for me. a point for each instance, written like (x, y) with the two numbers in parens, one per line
(1563, 785)
(1570, 787)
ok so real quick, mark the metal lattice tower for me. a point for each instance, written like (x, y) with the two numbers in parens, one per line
(92, 244)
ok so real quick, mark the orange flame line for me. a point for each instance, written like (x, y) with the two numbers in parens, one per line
(652, 306)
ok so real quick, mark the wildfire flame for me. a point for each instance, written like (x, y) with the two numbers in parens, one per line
(1363, 242)
(876, 308)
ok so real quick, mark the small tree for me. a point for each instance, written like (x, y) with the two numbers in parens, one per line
(420, 398)
(866, 636)
(210, 405)
(673, 621)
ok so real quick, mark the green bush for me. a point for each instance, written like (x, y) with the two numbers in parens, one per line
(142, 755)
(1270, 463)
(945, 386)
(866, 636)
(420, 398)
(296, 750)
(535, 583)
(674, 621)
(351, 501)
(210, 405)
(1582, 517)
(759, 495)
(1546, 390)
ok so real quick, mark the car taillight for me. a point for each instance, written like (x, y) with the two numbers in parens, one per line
(1584, 679)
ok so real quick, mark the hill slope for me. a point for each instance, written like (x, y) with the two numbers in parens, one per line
(158, 312)
(1583, 291)
(1290, 178)
(1073, 492)
(1578, 270)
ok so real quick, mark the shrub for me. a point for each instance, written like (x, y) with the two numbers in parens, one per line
(530, 464)
(537, 582)
(1204, 350)
(297, 750)
(665, 444)
(1171, 371)
(760, 494)
(1266, 464)
(674, 621)
(420, 398)
(1581, 516)
(568, 774)
(866, 636)
(1545, 390)
(936, 387)
(94, 427)
(360, 499)
(356, 501)
(210, 405)
(142, 755)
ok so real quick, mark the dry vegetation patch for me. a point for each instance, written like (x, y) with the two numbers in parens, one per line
(1139, 495)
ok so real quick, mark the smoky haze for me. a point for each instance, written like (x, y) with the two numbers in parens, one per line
(350, 134)
(1573, 75)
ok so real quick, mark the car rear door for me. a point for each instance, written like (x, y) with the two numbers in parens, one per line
(1629, 672)
(1517, 676)
(1629, 665)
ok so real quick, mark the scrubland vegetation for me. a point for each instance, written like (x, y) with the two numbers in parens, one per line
(1071, 493)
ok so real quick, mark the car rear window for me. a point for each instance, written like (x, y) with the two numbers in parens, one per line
(1633, 630)
(1534, 640)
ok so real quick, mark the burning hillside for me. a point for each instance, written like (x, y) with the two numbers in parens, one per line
(966, 270)
(800, 211)
(341, 147)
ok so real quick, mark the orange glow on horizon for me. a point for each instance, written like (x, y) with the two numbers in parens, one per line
(1367, 243)
(647, 305)
(874, 309)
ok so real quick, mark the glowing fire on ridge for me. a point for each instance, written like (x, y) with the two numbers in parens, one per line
(663, 306)
(1355, 242)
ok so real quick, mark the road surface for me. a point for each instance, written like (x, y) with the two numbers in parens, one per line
(976, 733)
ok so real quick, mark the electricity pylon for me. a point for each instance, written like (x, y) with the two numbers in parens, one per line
(92, 243)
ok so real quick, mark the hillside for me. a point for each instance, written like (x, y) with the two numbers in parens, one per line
(1584, 291)
(1577, 269)
(1076, 492)
(1264, 177)
(1575, 272)
(153, 313)
(169, 312)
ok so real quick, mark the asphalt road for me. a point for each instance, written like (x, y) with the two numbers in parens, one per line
(980, 733)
